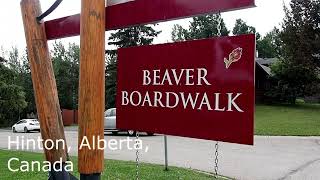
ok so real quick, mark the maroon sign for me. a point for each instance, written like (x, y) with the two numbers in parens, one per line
(200, 89)
(135, 12)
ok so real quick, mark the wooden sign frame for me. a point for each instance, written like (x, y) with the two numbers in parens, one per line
(95, 19)
(140, 12)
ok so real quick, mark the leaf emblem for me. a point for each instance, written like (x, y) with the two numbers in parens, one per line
(234, 56)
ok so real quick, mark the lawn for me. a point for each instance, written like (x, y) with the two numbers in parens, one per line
(281, 120)
(118, 170)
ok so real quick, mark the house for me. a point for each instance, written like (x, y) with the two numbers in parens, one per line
(263, 73)
(266, 61)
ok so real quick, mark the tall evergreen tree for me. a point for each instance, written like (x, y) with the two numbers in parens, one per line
(121, 39)
(301, 33)
(297, 75)
(129, 37)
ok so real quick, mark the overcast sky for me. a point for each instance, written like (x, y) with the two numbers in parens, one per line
(264, 17)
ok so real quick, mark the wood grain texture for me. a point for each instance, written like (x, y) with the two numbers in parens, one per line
(43, 79)
(92, 84)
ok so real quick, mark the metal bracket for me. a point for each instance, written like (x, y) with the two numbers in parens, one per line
(49, 11)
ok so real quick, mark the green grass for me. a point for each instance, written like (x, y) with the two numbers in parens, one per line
(281, 120)
(114, 170)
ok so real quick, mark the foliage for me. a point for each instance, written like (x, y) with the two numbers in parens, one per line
(26, 83)
(14, 61)
(270, 45)
(18, 87)
(301, 33)
(111, 82)
(12, 97)
(7, 75)
(206, 27)
(200, 27)
(121, 39)
(292, 81)
(179, 33)
(129, 37)
(16, 73)
(66, 69)
(297, 75)
(241, 27)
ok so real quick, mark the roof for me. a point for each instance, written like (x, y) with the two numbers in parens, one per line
(266, 61)
(265, 68)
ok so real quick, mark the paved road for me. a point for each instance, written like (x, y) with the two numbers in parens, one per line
(272, 158)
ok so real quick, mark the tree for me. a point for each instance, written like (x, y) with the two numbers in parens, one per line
(7, 75)
(292, 81)
(121, 39)
(179, 33)
(14, 60)
(111, 82)
(270, 46)
(12, 101)
(301, 33)
(21, 77)
(200, 27)
(267, 46)
(297, 74)
(241, 27)
(12, 97)
(66, 69)
(129, 37)
(26, 83)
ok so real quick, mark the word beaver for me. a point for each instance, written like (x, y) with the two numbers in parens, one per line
(173, 77)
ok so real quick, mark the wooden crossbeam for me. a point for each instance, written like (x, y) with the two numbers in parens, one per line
(141, 12)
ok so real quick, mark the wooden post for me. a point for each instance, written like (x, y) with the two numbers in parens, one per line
(92, 87)
(43, 79)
